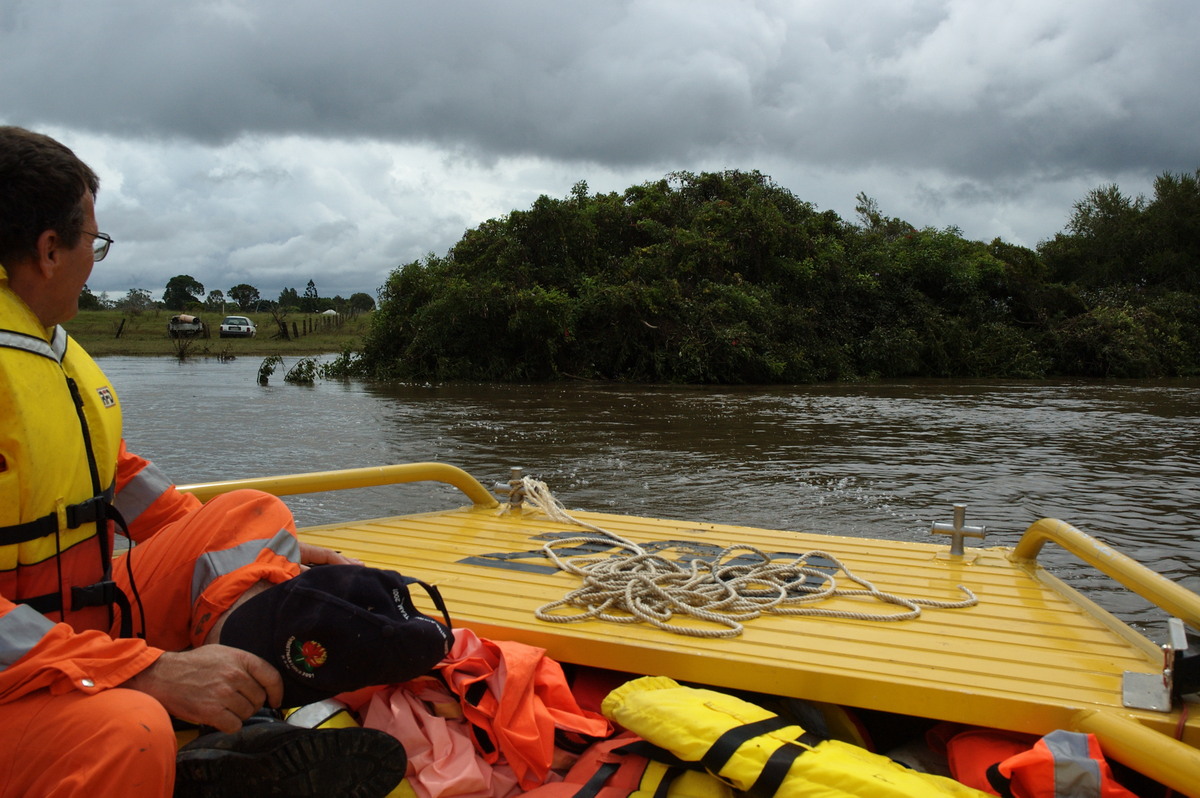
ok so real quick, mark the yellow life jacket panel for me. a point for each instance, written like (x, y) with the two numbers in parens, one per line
(59, 438)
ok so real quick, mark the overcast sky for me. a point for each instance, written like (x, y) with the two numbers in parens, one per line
(276, 141)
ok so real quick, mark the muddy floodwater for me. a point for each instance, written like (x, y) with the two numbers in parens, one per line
(1120, 460)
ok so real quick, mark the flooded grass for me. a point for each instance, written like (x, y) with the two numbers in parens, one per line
(112, 332)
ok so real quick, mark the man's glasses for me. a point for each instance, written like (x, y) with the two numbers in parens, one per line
(100, 245)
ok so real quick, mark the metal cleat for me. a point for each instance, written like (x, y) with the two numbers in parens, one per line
(514, 489)
(958, 530)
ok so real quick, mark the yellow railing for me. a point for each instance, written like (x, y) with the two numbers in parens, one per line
(1166, 760)
(1156, 588)
(320, 481)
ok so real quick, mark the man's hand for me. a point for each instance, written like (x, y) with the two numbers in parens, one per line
(319, 555)
(215, 685)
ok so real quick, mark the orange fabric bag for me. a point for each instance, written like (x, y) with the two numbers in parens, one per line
(516, 698)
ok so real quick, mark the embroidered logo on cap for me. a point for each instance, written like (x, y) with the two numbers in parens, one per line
(306, 657)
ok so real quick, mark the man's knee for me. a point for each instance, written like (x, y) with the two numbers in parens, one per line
(115, 742)
(136, 736)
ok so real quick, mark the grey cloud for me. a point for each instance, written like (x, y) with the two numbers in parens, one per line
(303, 138)
(984, 88)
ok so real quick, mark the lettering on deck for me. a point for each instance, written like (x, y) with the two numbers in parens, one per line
(681, 551)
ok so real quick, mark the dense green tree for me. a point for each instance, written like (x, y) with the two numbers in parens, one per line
(88, 300)
(244, 295)
(728, 277)
(182, 290)
(1172, 233)
(361, 302)
(215, 300)
(289, 298)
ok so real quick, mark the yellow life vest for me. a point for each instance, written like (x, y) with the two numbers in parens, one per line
(60, 434)
(757, 751)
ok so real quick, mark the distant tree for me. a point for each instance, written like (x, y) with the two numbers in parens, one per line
(245, 295)
(1172, 224)
(289, 298)
(215, 300)
(134, 302)
(88, 300)
(873, 220)
(309, 302)
(182, 290)
(1113, 239)
(361, 302)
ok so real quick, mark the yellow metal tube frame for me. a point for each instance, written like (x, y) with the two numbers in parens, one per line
(1168, 761)
(1165, 759)
(1156, 588)
(320, 481)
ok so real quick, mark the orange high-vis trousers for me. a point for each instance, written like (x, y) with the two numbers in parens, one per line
(119, 742)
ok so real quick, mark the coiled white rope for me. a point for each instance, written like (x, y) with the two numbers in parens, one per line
(742, 583)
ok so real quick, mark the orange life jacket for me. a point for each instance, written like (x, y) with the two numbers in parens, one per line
(1062, 764)
(614, 768)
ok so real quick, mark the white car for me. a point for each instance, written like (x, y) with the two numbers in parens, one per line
(237, 327)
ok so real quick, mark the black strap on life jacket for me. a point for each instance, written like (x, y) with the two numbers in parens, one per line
(998, 781)
(85, 512)
(599, 780)
(778, 763)
(596, 783)
(106, 592)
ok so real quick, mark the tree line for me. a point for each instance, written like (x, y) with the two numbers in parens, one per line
(730, 278)
(185, 293)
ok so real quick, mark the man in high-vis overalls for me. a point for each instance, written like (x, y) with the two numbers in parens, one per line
(98, 654)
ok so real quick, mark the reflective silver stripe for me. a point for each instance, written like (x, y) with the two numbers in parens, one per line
(311, 716)
(141, 492)
(1075, 772)
(58, 342)
(219, 563)
(20, 630)
(29, 343)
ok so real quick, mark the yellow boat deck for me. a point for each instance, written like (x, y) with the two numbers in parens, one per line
(1033, 655)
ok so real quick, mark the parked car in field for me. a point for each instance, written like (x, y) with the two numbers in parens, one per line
(237, 327)
(185, 326)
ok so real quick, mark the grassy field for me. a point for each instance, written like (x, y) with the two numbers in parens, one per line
(146, 334)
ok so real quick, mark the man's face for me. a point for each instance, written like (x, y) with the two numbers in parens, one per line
(75, 266)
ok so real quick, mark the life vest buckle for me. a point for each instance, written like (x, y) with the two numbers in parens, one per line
(86, 511)
(99, 594)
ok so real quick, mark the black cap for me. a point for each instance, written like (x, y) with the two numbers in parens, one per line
(336, 628)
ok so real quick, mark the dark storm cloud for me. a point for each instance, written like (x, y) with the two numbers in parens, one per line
(276, 140)
(979, 88)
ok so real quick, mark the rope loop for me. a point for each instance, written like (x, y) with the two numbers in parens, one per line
(738, 585)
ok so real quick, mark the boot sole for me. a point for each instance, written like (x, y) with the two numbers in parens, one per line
(358, 763)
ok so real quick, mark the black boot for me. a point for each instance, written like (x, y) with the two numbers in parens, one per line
(276, 758)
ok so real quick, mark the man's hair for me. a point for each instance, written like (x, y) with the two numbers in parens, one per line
(41, 188)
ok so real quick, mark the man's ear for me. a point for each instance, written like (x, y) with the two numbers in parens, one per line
(47, 254)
